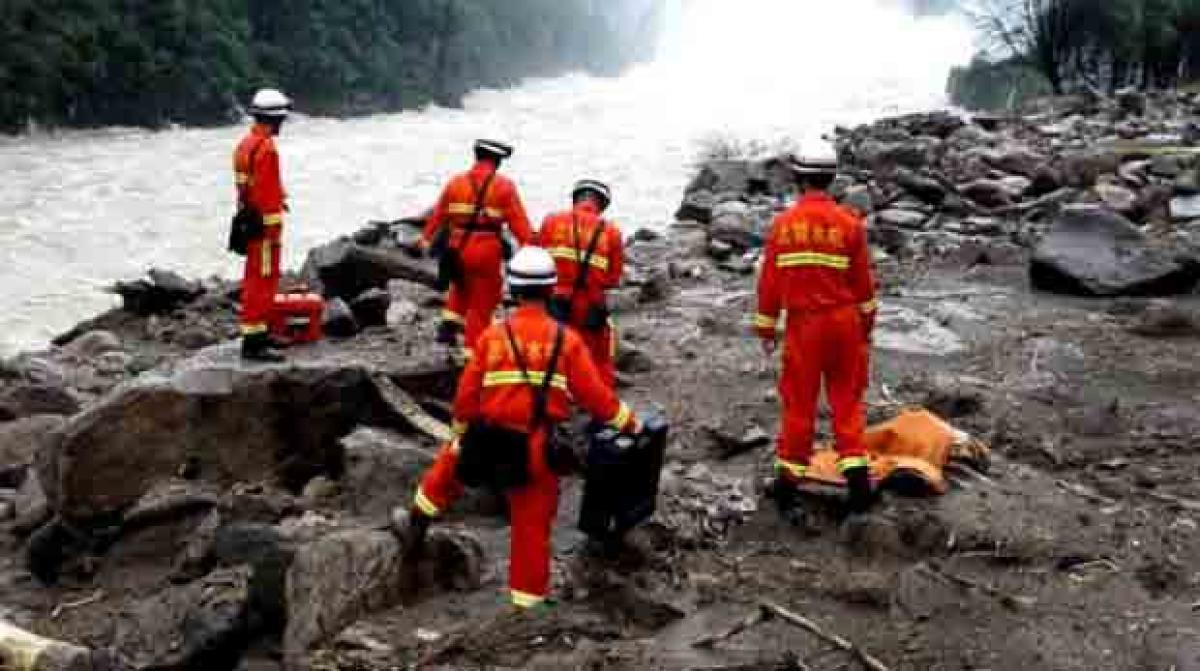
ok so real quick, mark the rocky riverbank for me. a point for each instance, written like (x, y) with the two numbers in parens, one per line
(1037, 275)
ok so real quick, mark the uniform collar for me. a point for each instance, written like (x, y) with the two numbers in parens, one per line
(484, 168)
(261, 130)
(527, 311)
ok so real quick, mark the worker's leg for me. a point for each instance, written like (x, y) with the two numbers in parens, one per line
(440, 486)
(602, 345)
(532, 509)
(846, 377)
(799, 389)
(260, 281)
(452, 316)
(484, 290)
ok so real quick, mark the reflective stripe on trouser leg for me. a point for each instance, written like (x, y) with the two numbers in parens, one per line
(260, 282)
(440, 486)
(532, 510)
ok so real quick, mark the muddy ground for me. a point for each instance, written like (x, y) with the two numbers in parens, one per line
(1079, 549)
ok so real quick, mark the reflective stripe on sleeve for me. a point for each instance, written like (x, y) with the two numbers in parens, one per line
(848, 463)
(762, 321)
(273, 219)
(451, 316)
(796, 470)
(525, 600)
(458, 428)
(265, 260)
(253, 329)
(469, 209)
(597, 261)
(502, 378)
(870, 306)
(800, 259)
(624, 414)
(242, 178)
(423, 504)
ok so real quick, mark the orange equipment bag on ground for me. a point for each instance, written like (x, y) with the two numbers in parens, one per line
(296, 317)
(914, 444)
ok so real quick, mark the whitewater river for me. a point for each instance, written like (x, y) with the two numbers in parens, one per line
(81, 209)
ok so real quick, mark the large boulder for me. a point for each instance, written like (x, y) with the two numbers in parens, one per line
(232, 421)
(382, 471)
(1091, 251)
(739, 224)
(24, 399)
(1015, 160)
(162, 292)
(20, 443)
(345, 269)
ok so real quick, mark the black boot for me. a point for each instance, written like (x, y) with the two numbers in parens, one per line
(787, 501)
(862, 494)
(257, 347)
(447, 333)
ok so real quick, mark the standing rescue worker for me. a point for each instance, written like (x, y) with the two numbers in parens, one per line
(590, 256)
(498, 388)
(260, 188)
(477, 239)
(817, 269)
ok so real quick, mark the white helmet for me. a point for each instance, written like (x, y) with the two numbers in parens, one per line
(820, 159)
(532, 267)
(270, 102)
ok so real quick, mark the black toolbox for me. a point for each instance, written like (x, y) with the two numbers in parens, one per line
(621, 480)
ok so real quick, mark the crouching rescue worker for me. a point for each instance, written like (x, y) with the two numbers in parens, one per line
(466, 231)
(817, 270)
(524, 373)
(590, 257)
(261, 199)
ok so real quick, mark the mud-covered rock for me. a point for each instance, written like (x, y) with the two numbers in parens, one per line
(27, 398)
(20, 443)
(1091, 251)
(202, 625)
(370, 308)
(988, 193)
(234, 421)
(162, 292)
(344, 269)
(338, 320)
(382, 471)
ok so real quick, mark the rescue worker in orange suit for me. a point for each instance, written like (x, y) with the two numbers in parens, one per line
(472, 302)
(579, 300)
(817, 270)
(494, 390)
(259, 186)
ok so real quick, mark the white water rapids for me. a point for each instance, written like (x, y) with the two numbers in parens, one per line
(80, 209)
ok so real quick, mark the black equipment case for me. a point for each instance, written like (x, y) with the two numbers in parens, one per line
(621, 487)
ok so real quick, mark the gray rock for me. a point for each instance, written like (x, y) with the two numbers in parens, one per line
(343, 269)
(31, 508)
(21, 440)
(1081, 169)
(24, 399)
(94, 343)
(1169, 166)
(238, 422)
(1184, 208)
(1116, 198)
(987, 192)
(736, 224)
(383, 470)
(1016, 186)
(198, 337)
(928, 190)
(859, 197)
(370, 308)
(338, 320)
(160, 294)
(901, 218)
(1046, 180)
(16, 645)
(697, 206)
(1091, 251)
(1015, 160)
(203, 625)
(1188, 183)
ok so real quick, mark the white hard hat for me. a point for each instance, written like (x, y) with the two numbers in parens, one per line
(532, 267)
(818, 159)
(494, 148)
(270, 102)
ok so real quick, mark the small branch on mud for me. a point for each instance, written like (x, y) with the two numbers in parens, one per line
(1007, 600)
(72, 605)
(1084, 492)
(832, 639)
(754, 618)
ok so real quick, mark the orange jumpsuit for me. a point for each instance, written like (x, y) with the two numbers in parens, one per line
(566, 237)
(474, 302)
(492, 389)
(817, 269)
(256, 172)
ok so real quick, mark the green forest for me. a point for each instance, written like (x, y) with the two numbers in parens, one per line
(157, 62)
(1063, 46)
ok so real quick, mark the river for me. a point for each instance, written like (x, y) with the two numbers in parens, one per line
(80, 209)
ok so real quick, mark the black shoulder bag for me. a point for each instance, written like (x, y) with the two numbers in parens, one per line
(498, 457)
(248, 222)
(560, 306)
(450, 263)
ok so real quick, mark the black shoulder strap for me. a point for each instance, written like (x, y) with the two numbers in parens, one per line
(541, 393)
(585, 265)
(480, 197)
